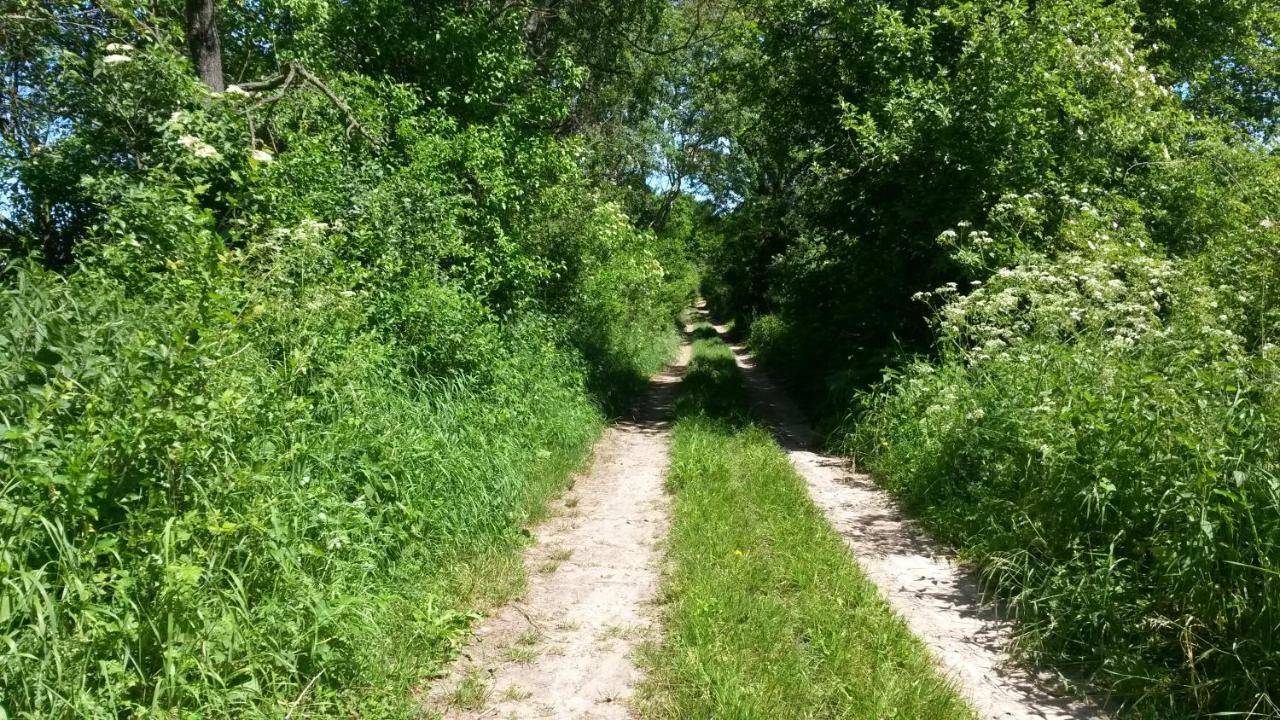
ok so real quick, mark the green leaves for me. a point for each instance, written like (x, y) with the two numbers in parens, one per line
(1081, 400)
(289, 386)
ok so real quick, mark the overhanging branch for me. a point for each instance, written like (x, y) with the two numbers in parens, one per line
(297, 76)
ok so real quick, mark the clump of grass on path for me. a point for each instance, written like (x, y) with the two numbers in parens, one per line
(767, 615)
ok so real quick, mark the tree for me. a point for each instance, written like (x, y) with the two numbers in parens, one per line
(203, 43)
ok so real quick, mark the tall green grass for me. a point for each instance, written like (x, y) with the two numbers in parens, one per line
(767, 615)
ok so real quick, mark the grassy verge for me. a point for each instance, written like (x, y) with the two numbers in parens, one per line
(767, 616)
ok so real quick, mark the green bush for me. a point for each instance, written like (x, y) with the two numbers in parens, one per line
(1101, 442)
(251, 439)
(768, 338)
(205, 504)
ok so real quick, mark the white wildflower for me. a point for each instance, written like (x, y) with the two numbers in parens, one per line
(198, 147)
(119, 48)
(235, 90)
(114, 59)
(262, 156)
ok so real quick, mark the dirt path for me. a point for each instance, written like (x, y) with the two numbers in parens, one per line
(939, 600)
(564, 651)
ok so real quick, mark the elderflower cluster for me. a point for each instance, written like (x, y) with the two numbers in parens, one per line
(199, 148)
(118, 53)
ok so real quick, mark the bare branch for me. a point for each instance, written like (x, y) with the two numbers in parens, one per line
(338, 102)
(294, 76)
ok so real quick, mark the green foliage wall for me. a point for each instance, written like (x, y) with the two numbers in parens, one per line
(1020, 258)
(286, 381)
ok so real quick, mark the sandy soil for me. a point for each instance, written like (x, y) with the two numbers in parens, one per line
(939, 600)
(564, 651)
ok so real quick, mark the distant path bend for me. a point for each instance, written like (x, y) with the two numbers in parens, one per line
(939, 600)
(564, 651)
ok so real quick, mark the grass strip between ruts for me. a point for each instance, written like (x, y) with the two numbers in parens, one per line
(766, 614)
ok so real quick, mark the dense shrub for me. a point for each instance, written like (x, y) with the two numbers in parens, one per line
(1101, 442)
(1084, 194)
(287, 383)
(205, 508)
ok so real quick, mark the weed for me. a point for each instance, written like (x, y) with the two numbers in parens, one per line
(472, 691)
(521, 655)
(515, 693)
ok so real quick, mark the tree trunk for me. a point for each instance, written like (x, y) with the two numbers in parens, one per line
(202, 41)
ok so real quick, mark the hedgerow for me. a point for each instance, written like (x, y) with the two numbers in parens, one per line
(1097, 438)
(280, 383)
(1021, 260)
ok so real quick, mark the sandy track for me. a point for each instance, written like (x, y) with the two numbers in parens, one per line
(564, 651)
(939, 600)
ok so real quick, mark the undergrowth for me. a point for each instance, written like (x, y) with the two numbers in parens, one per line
(1110, 463)
(269, 442)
